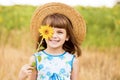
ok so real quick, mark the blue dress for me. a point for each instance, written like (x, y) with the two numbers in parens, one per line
(54, 67)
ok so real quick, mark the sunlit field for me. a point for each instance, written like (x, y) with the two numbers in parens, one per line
(94, 65)
(100, 58)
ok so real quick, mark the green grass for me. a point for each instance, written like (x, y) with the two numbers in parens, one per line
(103, 24)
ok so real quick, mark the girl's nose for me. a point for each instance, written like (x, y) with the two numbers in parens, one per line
(54, 35)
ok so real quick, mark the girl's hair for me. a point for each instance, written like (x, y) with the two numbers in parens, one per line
(60, 21)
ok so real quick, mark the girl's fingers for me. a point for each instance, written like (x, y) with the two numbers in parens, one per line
(30, 68)
(27, 69)
(29, 72)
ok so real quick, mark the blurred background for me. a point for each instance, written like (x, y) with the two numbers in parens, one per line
(100, 58)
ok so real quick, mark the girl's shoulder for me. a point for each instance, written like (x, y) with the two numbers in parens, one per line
(69, 54)
(37, 53)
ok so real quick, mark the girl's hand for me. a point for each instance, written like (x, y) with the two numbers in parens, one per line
(25, 72)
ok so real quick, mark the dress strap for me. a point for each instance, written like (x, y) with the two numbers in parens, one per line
(72, 61)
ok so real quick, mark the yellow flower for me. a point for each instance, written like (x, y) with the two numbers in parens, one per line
(46, 32)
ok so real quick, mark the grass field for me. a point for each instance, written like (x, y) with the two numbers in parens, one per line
(95, 65)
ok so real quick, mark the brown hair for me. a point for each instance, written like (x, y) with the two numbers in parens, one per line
(61, 21)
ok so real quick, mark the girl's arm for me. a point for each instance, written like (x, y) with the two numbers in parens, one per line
(76, 69)
(27, 71)
(33, 76)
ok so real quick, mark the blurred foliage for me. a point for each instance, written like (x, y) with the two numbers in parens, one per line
(103, 24)
(15, 16)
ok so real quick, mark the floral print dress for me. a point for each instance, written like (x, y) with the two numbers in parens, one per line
(54, 67)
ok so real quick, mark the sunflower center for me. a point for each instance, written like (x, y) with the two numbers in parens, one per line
(46, 32)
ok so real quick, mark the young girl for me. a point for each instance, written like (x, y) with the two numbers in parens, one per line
(59, 60)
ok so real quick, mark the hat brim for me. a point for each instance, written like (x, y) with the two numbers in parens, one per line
(79, 26)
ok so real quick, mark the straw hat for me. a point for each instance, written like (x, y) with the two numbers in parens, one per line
(79, 26)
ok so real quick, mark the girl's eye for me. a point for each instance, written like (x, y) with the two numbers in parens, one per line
(59, 32)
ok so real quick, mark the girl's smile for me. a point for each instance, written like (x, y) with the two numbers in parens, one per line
(54, 41)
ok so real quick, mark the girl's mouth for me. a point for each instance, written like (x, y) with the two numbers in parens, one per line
(54, 41)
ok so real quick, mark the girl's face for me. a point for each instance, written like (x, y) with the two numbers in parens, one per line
(58, 38)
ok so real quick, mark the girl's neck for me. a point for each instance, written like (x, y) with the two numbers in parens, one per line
(54, 51)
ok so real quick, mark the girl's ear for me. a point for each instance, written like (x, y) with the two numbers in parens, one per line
(67, 38)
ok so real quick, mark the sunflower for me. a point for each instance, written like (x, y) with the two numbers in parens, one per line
(46, 32)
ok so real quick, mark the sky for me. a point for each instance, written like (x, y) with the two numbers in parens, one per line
(94, 3)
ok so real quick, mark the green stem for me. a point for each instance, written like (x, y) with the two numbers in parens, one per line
(39, 44)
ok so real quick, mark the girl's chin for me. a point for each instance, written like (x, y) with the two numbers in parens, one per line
(54, 46)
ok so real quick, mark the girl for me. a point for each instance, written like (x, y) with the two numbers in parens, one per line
(59, 60)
